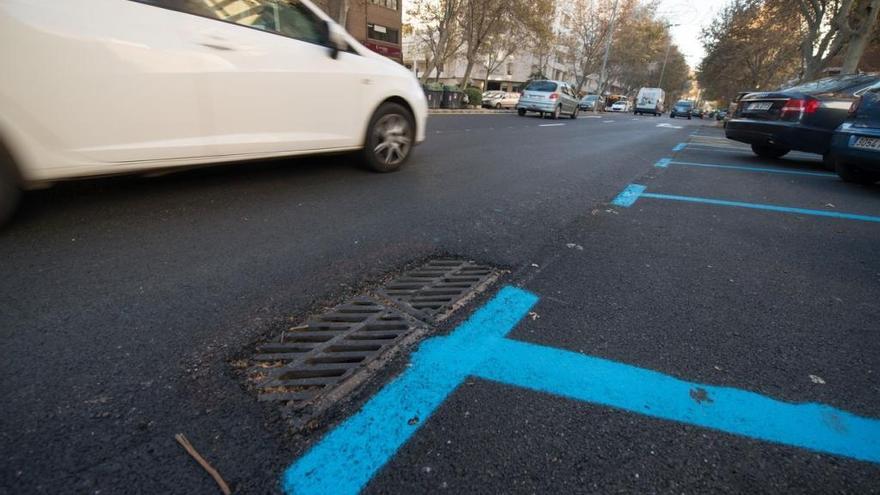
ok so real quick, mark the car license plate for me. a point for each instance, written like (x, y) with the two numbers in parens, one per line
(867, 143)
(759, 106)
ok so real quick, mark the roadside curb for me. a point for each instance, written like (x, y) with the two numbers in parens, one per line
(470, 111)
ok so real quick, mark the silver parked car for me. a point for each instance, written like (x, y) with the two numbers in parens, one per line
(553, 98)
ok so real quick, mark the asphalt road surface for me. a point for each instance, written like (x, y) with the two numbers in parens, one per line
(124, 301)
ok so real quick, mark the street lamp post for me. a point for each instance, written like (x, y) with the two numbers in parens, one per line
(666, 58)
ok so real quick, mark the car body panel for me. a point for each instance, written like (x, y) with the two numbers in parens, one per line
(146, 87)
(592, 102)
(865, 123)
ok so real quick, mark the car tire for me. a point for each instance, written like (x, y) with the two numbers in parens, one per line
(671, 115)
(556, 113)
(521, 112)
(394, 127)
(574, 115)
(498, 106)
(854, 174)
(769, 151)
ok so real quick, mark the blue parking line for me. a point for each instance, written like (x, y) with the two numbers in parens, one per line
(600, 381)
(679, 147)
(348, 457)
(666, 162)
(633, 192)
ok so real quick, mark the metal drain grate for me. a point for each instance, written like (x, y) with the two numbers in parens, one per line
(310, 360)
(433, 289)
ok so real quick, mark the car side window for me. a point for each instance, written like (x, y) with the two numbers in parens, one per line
(288, 18)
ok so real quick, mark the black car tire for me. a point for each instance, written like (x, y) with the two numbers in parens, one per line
(394, 125)
(671, 115)
(556, 113)
(769, 151)
(574, 114)
(521, 112)
(498, 106)
(689, 117)
(854, 174)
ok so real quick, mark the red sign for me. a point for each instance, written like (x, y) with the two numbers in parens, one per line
(389, 51)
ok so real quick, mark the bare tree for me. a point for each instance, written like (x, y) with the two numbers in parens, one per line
(437, 26)
(586, 31)
(481, 20)
(830, 26)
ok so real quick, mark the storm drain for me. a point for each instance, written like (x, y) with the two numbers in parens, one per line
(318, 362)
(311, 359)
(433, 290)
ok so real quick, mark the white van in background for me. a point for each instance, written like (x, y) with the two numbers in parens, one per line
(650, 100)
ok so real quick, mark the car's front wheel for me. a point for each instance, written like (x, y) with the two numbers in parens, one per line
(557, 112)
(574, 114)
(521, 112)
(390, 138)
(854, 174)
(769, 151)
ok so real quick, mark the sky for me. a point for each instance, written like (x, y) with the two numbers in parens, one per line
(692, 16)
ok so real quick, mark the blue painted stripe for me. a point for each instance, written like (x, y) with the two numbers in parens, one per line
(679, 147)
(745, 168)
(629, 195)
(348, 457)
(757, 206)
(663, 163)
(812, 426)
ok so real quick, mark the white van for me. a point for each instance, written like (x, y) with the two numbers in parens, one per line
(650, 100)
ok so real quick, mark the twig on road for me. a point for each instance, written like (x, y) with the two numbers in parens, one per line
(181, 439)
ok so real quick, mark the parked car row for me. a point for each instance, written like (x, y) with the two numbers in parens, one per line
(837, 117)
(500, 99)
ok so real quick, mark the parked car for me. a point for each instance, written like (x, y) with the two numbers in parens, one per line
(698, 113)
(682, 108)
(592, 102)
(500, 99)
(145, 85)
(621, 105)
(610, 100)
(801, 118)
(855, 146)
(721, 115)
(553, 98)
(650, 100)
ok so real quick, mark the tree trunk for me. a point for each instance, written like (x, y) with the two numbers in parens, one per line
(860, 39)
(467, 72)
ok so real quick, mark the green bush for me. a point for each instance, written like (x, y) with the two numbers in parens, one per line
(434, 86)
(475, 96)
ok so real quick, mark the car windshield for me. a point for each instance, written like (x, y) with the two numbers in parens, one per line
(833, 84)
(590, 98)
(544, 86)
(684, 104)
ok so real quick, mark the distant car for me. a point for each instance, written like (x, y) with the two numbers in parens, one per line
(721, 115)
(682, 108)
(855, 146)
(802, 117)
(553, 98)
(650, 100)
(698, 113)
(592, 102)
(500, 99)
(622, 105)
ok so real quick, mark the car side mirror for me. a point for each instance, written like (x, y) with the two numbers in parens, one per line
(335, 37)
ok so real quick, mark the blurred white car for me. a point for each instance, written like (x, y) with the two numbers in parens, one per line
(500, 99)
(98, 87)
(621, 106)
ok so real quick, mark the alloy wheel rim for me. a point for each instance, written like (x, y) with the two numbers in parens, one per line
(393, 138)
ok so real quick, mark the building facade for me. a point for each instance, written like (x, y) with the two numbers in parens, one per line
(375, 23)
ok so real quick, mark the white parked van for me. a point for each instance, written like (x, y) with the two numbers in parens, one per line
(650, 100)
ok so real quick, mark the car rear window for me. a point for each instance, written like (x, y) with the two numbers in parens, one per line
(684, 104)
(545, 86)
(834, 84)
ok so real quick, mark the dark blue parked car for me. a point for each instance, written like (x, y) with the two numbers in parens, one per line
(855, 146)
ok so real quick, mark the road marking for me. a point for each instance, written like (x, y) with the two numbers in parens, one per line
(633, 192)
(593, 117)
(345, 460)
(670, 126)
(550, 125)
(666, 162)
(607, 121)
(679, 146)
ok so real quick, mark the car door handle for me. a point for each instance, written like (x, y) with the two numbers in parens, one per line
(217, 46)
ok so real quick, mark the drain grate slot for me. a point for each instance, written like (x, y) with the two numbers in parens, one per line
(312, 359)
(432, 290)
